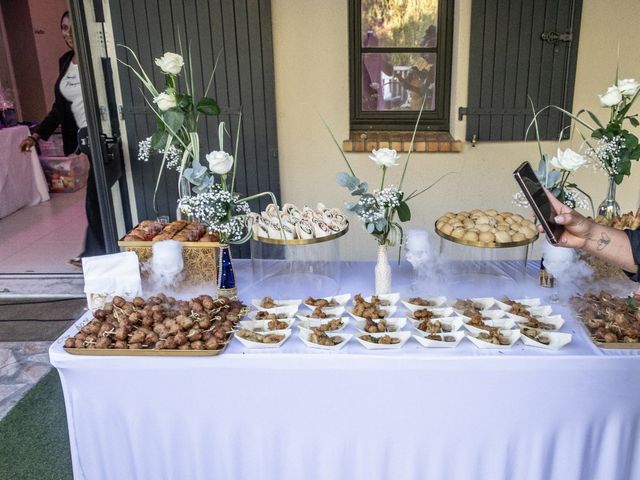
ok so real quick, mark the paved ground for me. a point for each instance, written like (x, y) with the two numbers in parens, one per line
(22, 365)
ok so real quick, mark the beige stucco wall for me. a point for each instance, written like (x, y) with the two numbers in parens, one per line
(311, 70)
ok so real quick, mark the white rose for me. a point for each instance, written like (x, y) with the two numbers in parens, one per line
(568, 160)
(219, 162)
(384, 157)
(611, 98)
(170, 63)
(628, 87)
(165, 101)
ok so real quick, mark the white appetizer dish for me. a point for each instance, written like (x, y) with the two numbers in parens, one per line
(436, 302)
(512, 335)
(388, 310)
(309, 323)
(396, 323)
(392, 298)
(439, 312)
(429, 343)
(556, 321)
(259, 345)
(288, 312)
(341, 301)
(402, 336)
(501, 323)
(557, 340)
(304, 335)
(279, 303)
(455, 323)
(263, 325)
(484, 303)
(331, 313)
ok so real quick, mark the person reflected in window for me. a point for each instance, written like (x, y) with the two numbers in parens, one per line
(68, 113)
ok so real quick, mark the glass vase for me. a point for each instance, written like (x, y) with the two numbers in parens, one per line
(383, 271)
(184, 190)
(609, 208)
(226, 278)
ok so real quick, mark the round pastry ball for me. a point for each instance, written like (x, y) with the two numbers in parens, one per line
(502, 227)
(468, 223)
(470, 237)
(518, 237)
(483, 228)
(447, 229)
(482, 220)
(458, 233)
(517, 218)
(529, 232)
(502, 237)
(491, 213)
(487, 237)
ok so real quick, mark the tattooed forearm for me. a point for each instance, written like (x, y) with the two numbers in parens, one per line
(602, 242)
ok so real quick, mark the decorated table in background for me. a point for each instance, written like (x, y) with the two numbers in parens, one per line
(415, 413)
(22, 182)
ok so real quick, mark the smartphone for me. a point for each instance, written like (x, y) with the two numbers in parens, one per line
(537, 198)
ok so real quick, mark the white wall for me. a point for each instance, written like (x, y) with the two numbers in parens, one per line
(312, 71)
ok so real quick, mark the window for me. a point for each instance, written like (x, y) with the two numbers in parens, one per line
(400, 52)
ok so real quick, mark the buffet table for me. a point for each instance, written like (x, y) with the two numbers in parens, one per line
(22, 182)
(414, 413)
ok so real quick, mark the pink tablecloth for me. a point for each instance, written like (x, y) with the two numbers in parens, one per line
(22, 183)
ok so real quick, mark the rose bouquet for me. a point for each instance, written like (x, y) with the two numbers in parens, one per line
(378, 209)
(177, 112)
(215, 203)
(609, 144)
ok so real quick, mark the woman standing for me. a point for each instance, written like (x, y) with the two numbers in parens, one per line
(68, 112)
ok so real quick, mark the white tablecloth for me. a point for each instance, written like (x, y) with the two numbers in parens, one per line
(296, 413)
(22, 182)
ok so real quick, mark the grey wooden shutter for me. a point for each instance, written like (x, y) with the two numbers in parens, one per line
(244, 80)
(520, 49)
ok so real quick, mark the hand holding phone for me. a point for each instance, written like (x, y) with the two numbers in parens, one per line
(540, 204)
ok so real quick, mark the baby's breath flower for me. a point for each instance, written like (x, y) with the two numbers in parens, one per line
(220, 211)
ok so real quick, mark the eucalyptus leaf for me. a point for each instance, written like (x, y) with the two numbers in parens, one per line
(370, 227)
(634, 121)
(381, 224)
(342, 178)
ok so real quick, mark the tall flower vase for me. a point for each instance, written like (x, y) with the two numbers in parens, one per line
(184, 190)
(609, 208)
(226, 278)
(383, 271)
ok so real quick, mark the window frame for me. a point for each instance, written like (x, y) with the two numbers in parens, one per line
(436, 120)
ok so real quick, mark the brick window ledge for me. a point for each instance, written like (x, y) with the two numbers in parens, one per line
(365, 141)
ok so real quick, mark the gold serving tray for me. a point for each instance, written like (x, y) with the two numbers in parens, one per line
(598, 343)
(485, 244)
(123, 243)
(617, 346)
(145, 352)
(301, 241)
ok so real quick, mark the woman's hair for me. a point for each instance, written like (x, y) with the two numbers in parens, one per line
(65, 14)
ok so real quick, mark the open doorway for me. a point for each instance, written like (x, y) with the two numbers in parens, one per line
(42, 194)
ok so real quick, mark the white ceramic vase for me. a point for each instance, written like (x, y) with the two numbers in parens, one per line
(383, 271)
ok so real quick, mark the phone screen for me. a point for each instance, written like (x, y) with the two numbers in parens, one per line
(532, 188)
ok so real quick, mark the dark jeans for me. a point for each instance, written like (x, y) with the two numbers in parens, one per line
(94, 237)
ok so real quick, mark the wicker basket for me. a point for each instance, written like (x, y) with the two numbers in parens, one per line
(199, 260)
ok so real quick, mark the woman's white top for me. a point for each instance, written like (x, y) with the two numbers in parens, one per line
(70, 89)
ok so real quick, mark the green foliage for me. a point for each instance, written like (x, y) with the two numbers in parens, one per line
(208, 106)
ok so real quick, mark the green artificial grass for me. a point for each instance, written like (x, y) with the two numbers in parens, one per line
(34, 441)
